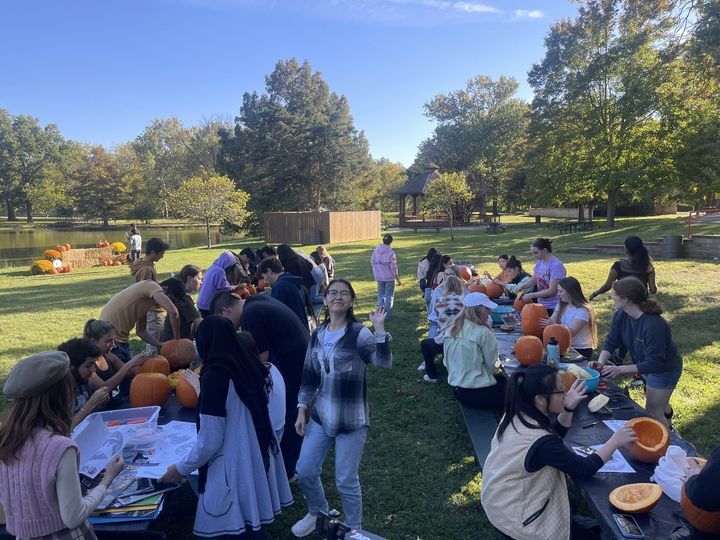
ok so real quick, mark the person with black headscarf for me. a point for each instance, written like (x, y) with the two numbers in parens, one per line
(242, 483)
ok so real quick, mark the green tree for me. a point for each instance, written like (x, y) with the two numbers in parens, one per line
(445, 194)
(211, 200)
(103, 188)
(9, 185)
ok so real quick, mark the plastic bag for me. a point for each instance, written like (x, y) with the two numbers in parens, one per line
(671, 472)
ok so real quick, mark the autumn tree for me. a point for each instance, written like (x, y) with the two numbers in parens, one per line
(445, 193)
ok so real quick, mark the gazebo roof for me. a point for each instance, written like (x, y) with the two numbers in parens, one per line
(418, 184)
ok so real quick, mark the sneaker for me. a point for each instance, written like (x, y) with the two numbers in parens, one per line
(305, 526)
(428, 379)
(421, 367)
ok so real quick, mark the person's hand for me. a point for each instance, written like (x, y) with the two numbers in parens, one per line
(610, 372)
(300, 422)
(193, 378)
(576, 394)
(542, 323)
(592, 296)
(377, 318)
(137, 360)
(597, 365)
(528, 296)
(487, 274)
(624, 436)
(113, 468)
(692, 468)
(171, 476)
(99, 398)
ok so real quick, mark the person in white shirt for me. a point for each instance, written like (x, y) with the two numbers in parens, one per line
(575, 312)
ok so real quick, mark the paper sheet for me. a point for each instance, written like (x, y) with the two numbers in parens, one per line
(615, 425)
(174, 440)
(616, 464)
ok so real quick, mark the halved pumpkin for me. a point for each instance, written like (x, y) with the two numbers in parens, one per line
(653, 439)
(636, 498)
(702, 520)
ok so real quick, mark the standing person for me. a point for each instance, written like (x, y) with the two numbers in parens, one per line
(639, 327)
(143, 269)
(135, 242)
(422, 269)
(575, 312)
(448, 305)
(637, 264)
(128, 309)
(296, 265)
(335, 382)
(524, 490)
(548, 271)
(236, 496)
(327, 260)
(216, 280)
(385, 270)
(39, 480)
(470, 354)
(190, 317)
(504, 275)
(285, 287)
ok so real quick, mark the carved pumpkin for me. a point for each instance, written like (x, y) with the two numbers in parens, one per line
(465, 273)
(653, 439)
(562, 335)
(477, 287)
(702, 520)
(494, 290)
(530, 317)
(155, 364)
(636, 498)
(529, 350)
(179, 352)
(149, 389)
(186, 394)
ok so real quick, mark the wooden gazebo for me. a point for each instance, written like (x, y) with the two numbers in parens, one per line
(415, 188)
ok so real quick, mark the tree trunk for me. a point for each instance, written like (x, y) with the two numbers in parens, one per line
(28, 208)
(611, 205)
(495, 206)
(591, 209)
(106, 218)
(450, 214)
(207, 230)
(10, 209)
(581, 214)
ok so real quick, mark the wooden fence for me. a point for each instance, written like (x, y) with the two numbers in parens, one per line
(321, 227)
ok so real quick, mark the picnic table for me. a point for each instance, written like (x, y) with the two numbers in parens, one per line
(569, 226)
(666, 517)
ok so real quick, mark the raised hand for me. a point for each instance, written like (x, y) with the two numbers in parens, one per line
(576, 394)
(377, 318)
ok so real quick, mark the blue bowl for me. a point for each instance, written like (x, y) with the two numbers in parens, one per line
(592, 382)
(499, 311)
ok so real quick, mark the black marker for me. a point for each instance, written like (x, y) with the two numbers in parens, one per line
(591, 425)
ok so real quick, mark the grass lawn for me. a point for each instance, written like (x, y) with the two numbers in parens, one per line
(418, 474)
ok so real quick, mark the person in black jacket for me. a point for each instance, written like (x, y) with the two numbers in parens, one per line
(285, 287)
(699, 485)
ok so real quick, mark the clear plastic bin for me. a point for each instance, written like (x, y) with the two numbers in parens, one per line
(138, 417)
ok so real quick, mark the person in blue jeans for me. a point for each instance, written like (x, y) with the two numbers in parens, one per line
(385, 270)
(334, 379)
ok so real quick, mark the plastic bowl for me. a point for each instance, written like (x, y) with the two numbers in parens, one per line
(592, 383)
(498, 313)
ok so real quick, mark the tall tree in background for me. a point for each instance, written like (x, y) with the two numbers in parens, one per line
(103, 187)
(444, 195)
(9, 185)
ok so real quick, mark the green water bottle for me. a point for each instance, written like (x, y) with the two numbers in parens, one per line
(553, 353)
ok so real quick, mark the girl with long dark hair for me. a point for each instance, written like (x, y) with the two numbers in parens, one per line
(423, 267)
(637, 264)
(524, 490)
(242, 483)
(190, 317)
(575, 312)
(431, 269)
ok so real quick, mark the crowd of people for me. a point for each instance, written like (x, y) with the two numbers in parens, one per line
(282, 403)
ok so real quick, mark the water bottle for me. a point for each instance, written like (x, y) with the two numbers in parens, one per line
(553, 353)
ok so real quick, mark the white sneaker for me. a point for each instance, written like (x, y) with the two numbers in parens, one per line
(305, 526)
(421, 367)
(428, 379)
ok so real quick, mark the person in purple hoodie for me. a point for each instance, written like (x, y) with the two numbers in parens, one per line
(216, 280)
(385, 270)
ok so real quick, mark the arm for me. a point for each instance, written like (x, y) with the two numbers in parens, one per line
(142, 332)
(612, 341)
(652, 286)
(529, 284)
(162, 300)
(490, 351)
(612, 278)
(74, 508)
(209, 441)
(550, 291)
(310, 378)
(699, 488)
(375, 348)
(99, 398)
(96, 382)
(394, 268)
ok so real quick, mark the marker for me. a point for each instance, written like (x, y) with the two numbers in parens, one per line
(591, 425)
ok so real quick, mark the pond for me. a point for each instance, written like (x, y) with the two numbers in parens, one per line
(21, 247)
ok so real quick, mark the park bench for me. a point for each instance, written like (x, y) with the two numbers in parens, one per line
(575, 226)
(481, 425)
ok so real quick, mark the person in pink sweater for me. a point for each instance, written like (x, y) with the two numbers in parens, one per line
(39, 480)
(385, 270)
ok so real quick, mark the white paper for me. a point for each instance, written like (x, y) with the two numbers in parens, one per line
(615, 425)
(616, 464)
(174, 440)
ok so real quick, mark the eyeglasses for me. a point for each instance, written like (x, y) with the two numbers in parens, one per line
(557, 392)
(342, 294)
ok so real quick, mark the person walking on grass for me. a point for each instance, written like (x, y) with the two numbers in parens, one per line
(385, 270)
(334, 383)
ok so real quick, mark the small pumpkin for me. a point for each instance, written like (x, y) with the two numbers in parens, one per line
(530, 317)
(465, 273)
(494, 290)
(67, 247)
(569, 379)
(477, 287)
(117, 263)
(519, 304)
(653, 439)
(60, 248)
(186, 394)
(179, 352)
(53, 271)
(636, 498)
(529, 350)
(702, 520)
(562, 335)
(149, 389)
(154, 364)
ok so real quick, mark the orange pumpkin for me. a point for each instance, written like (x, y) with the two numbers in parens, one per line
(636, 498)
(562, 335)
(60, 248)
(530, 317)
(653, 439)
(465, 273)
(477, 287)
(494, 290)
(179, 352)
(117, 263)
(529, 350)
(155, 364)
(702, 520)
(186, 394)
(53, 271)
(519, 304)
(68, 247)
(149, 389)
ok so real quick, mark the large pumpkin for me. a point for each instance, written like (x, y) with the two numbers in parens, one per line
(529, 350)
(702, 520)
(494, 290)
(477, 287)
(465, 273)
(562, 335)
(186, 394)
(653, 439)
(179, 352)
(636, 498)
(530, 317)
(149, 389)
(155, 364)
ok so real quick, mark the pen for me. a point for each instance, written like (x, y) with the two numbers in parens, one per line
(591, 425)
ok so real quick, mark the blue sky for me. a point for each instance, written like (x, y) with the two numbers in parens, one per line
(103, 70)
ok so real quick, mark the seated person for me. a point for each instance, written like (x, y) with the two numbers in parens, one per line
(504, 276)
(637, 264)
(517, 277)
(448, 305)
(699, 485)
(190, 317)
(575, 312)
(524, 490)
(450, 270)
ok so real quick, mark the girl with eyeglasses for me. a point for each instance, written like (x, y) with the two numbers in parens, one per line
(524, 489)
(335, 380)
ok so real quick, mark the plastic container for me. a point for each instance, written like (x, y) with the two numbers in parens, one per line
(553, 352)
(138, 418)
(498, 313)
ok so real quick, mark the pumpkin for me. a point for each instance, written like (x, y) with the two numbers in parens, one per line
(494, 290)
(636, 498)
(186, 394)
(149, 389)
(562, 335)
(117, 263)
(261, 285)
(67, 247)
(465, 273)
(519, 304)
(477, 287)
(653, 439)
(179, 352)
(702, 520)
(53, 271)
(530, 317)
(155, 364)
(60, 248)
(569, 379)
(529, 350)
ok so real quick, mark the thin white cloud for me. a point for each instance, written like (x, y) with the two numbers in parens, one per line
(472, 7)
(529, 13)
